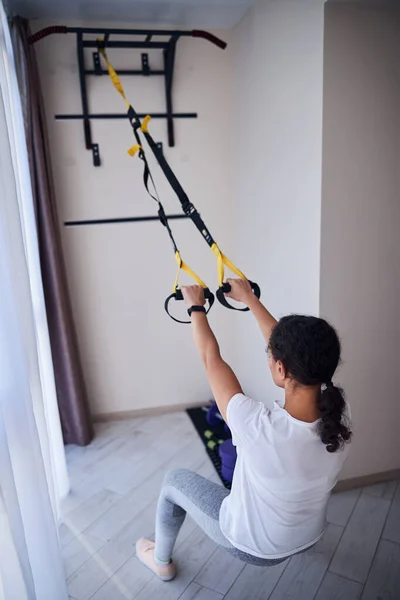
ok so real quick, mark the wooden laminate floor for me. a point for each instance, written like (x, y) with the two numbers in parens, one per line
(115, 484)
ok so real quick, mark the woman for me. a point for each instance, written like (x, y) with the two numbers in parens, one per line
(288, 458)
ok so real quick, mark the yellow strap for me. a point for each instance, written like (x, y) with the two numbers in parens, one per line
(223, 261)
(132, 151)
(184, 267)
(145, 124)
(118, 86)
(113, 75)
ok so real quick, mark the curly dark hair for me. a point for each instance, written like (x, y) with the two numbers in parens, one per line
(309, 349)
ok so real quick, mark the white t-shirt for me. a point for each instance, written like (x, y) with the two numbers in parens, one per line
(282, 481)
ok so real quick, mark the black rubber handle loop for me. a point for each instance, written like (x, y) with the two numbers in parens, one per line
(206, 35)
(208, 295)
(226, 288)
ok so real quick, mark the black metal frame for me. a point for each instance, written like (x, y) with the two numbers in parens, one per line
(169, 52)
(121, 220)
(123, 116)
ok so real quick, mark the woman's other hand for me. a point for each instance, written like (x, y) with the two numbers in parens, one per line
(240, 290)
(193, 295)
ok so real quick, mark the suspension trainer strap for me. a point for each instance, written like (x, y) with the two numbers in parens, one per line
(153, 193)
(188, 208)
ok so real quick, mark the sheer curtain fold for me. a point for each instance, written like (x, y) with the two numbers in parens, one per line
(30, 558)
(71, 390)
(32, 462)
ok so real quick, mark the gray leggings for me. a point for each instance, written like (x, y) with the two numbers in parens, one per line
(186, 492)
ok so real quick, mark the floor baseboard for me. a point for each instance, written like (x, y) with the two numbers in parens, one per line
(143, 412)
(342, 486)
(359, 482)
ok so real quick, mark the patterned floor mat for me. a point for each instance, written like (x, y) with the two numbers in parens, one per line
(198, 418)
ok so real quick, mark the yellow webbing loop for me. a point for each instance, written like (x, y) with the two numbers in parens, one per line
(132, 151)
(118, 86)
(223, 261)
(184, 267)
(113, 75)
(145, 124)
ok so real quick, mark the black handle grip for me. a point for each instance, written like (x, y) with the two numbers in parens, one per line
(208, 295)
(226, 288)
(39, 35)
(210, 37)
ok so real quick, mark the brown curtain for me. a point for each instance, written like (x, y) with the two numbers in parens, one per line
(71, 391)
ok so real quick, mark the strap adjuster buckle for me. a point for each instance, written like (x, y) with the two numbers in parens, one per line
(188, 208)
(162, 216)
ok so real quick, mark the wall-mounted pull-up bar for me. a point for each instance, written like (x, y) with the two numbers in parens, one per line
(119, 220)
(150, 40)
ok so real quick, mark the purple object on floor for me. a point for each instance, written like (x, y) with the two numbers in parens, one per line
(227, 474)
(227, 453)
(213, 417)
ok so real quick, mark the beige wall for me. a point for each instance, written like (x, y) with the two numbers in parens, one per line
(343, 263)
(259, 185)
(278, 82)
(134, 356)
(360, 251)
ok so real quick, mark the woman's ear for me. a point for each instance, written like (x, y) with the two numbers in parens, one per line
(280, 371)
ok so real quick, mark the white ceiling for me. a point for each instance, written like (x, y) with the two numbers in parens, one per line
(223, 14)
(374, 3)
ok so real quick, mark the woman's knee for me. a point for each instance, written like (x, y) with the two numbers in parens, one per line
(177, 477)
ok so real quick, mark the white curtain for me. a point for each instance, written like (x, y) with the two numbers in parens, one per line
(33, 473)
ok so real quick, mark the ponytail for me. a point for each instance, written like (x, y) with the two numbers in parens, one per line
(309, 350)
(333, 427)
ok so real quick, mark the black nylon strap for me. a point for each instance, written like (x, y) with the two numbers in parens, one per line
(168, 172)
(187, 207)
(148, 177)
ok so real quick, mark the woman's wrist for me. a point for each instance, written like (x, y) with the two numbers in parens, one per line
(252, 302)
(196, 309)
(198, 314)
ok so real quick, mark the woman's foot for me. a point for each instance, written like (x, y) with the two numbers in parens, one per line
(145, 553)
